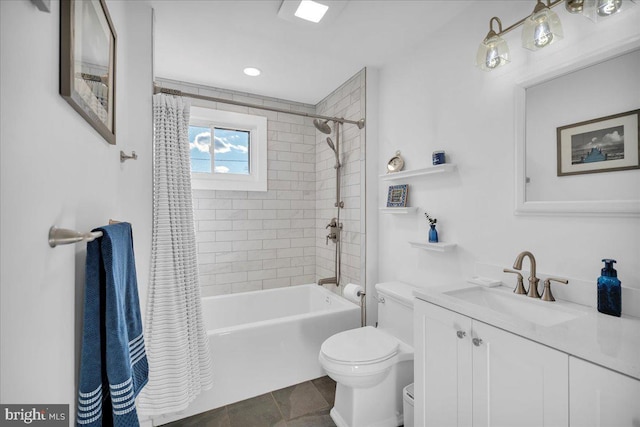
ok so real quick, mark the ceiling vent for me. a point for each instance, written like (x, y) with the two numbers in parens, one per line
(312, 13)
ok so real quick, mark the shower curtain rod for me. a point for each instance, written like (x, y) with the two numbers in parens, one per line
(158, 89)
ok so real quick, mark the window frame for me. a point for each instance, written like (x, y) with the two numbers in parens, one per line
(256, 180)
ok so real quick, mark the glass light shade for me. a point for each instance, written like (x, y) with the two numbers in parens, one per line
(541, 29)
(493, 52)
(600, 9)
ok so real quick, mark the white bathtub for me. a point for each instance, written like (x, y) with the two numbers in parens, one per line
(266, 340)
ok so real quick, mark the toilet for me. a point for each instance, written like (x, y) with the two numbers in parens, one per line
(371, 366)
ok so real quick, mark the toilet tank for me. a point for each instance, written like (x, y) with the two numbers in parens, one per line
(395, 310)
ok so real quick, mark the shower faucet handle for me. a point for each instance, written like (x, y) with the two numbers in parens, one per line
(333, 223)
(333, 237)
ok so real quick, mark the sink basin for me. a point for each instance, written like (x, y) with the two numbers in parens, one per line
(503, 301)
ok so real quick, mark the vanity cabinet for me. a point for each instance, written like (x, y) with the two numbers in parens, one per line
(600, 397)
(470, 373)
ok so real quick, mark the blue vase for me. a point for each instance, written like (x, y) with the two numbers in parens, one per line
(433, 234)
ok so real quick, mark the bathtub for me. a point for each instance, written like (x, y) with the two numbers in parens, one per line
(266, 340)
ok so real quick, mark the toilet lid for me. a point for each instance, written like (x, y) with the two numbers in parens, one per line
(362, 345)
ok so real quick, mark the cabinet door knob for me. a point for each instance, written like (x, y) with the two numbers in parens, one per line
(461, 334)
(477, 342)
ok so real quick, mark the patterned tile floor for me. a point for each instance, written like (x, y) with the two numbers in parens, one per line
(301, 405)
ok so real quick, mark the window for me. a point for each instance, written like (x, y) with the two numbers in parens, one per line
(235, 158)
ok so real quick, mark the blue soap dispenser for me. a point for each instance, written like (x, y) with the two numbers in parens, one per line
(609, 290)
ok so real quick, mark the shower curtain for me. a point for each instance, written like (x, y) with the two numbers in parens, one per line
(177, 345)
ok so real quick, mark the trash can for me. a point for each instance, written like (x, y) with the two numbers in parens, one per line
(407, 405)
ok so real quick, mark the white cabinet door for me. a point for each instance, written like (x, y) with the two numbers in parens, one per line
(442, 367)
(517, 382)
(601, 397)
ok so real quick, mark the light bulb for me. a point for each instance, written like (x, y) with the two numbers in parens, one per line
(541, 29)
(493, 59)
(608, 7)
(493, 52)
(542, 35)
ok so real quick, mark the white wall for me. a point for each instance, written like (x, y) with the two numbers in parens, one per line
(437, 99)
(57, 170)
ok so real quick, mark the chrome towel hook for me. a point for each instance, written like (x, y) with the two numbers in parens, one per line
(124, 156)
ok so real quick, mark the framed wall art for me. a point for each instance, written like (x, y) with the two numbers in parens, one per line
(88, 63)
(397, 196)
(600, 145)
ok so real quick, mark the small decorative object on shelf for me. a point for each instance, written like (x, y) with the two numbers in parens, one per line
(433, 233)
(395, 164)
(438, 157)
(397, 196)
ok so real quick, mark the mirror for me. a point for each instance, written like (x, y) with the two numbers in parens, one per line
(589, 91)
(87, 63)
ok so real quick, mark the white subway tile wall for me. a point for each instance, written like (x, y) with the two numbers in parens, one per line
(262, 240)
(348, 101)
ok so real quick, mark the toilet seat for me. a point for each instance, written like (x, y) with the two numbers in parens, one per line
(362, 346)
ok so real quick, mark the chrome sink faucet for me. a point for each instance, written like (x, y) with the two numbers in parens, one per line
(533, 280)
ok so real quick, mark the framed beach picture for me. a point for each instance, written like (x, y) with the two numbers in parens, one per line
(600, 145)
(87, 63)
(397, 196)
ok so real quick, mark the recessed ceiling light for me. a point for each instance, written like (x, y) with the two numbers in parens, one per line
(251, 71)
(311, 10)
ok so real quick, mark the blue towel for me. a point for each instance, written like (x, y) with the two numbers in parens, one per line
(113, 363)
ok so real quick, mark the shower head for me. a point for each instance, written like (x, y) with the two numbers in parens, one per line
(335, 151)
(331, 145)
(322, 125)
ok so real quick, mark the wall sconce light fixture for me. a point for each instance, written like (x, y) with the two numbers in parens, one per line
(597, 10)
(540, 29)
(494, 50)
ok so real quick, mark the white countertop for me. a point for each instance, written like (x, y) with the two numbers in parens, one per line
(609, 341)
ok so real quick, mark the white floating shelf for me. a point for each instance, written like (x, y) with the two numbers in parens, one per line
(443, 168)
(401, 211)
(437, 247)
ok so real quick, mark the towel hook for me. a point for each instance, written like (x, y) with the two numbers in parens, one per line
(124, 156)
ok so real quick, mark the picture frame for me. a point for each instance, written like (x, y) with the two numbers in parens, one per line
(605, 144)
(397, 196)
(88, 44)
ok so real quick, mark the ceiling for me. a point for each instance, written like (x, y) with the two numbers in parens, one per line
(211, 42)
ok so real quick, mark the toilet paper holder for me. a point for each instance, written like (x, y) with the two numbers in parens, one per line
(353, 292)
(356, 293)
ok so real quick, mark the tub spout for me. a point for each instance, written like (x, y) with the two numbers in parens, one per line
(328, 280)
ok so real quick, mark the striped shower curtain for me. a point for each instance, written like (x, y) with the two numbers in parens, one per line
(177, 345)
